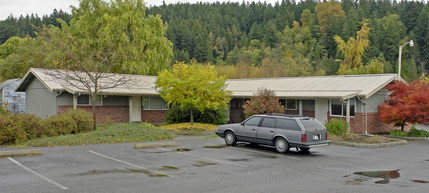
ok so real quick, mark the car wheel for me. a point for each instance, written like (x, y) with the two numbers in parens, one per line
(230, 138)
(282, 146)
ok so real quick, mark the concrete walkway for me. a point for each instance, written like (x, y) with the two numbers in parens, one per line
(423, 127)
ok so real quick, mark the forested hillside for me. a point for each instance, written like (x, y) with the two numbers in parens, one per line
(290, 38)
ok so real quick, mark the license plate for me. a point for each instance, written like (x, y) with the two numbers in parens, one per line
(316, 137)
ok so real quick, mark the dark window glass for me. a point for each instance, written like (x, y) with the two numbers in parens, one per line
(288, 124)
(269, 122)
(291, 104)
(336, 109)
(83, 100)
(312, 124)
(254, 121)
(283, 102)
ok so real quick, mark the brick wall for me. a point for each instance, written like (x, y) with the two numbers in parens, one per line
(154, 116)
(105, 114)
(374, 124)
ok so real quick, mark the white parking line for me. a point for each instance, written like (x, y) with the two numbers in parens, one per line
(207, 158)
(128, 163)
(37, 174)
(265, 153)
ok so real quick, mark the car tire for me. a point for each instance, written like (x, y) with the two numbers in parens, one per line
(230, 138)
(281, 145)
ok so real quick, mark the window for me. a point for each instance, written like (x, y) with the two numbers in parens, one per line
(83, 100)
(269, 122)
(154, 103)
(254, 121)
(288, 124)
(86, 100)
(339, 108)
(291, 104)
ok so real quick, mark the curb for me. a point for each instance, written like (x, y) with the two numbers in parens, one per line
(154, 145)
(16, 153)
(410, 138)
(365, 145)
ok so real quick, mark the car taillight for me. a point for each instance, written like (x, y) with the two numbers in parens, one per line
(326, 136)
(304, 138)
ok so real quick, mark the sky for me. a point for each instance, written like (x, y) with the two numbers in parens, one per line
(45, 7)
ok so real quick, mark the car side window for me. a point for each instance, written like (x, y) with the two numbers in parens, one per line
(288, 124)
(254, 121)
(269, 122)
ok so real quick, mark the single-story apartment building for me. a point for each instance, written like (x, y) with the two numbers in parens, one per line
(14, 101)
(354, 98)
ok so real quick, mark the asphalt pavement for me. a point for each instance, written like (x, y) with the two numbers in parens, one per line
(207, 165)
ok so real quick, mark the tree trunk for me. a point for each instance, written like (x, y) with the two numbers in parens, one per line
(94, 112)
(402, 126)
(192, 116)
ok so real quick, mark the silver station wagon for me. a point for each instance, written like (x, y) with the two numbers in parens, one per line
(279, 130)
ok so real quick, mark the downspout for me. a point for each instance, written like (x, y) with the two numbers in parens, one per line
(347, 113)
(366, 115)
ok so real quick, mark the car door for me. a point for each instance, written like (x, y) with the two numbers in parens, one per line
(266, 131)
(247, 130)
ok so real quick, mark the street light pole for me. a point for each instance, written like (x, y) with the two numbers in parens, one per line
(400, 55)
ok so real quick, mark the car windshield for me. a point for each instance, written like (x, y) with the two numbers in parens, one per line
(311, 124)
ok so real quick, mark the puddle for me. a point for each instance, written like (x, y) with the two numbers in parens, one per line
(183, 149)
(385, 175)
(126, 171)
(168, 168)
(239, 160)
(204, 163)
(216, 146)
(420, 181)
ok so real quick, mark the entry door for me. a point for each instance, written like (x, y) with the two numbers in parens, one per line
(135, 109)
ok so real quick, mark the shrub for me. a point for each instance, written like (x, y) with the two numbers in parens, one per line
(15, 128)
(417, 133)
(71, 122)
(413, 133)
(398, 133)
(177, 114)
(337, 127)
(263, 102)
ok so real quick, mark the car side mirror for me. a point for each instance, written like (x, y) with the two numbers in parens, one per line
(242, 123)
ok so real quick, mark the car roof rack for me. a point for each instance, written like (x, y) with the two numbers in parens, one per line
(286, 115)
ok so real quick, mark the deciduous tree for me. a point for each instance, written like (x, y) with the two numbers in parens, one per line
(195, 86)
(263, 102)
(408, 103)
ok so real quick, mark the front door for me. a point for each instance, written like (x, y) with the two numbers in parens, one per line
(135, 109)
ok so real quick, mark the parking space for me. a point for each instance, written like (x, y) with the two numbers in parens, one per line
(207, 165)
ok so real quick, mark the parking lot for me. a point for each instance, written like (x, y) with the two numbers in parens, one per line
(207, 165)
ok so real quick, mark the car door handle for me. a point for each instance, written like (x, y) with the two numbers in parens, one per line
(253, 129)
(272, 131)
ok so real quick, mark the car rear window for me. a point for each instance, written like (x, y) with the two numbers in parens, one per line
(288, 124)
(311, 124)
(269, 122)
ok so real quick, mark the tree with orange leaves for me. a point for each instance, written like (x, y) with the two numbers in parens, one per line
(408, 103)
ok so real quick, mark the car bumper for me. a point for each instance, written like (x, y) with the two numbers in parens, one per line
(220, 134)
(312, 144)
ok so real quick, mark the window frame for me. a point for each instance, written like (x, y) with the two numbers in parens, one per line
(342, 107)
(90, 102)
(296, 104)
(149, 108)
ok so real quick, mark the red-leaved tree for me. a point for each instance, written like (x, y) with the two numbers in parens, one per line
(263, 102)
(408, 103)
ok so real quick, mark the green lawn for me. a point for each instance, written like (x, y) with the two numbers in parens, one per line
(111, 133)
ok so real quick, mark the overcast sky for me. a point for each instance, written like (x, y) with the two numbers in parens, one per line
(45, 7)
